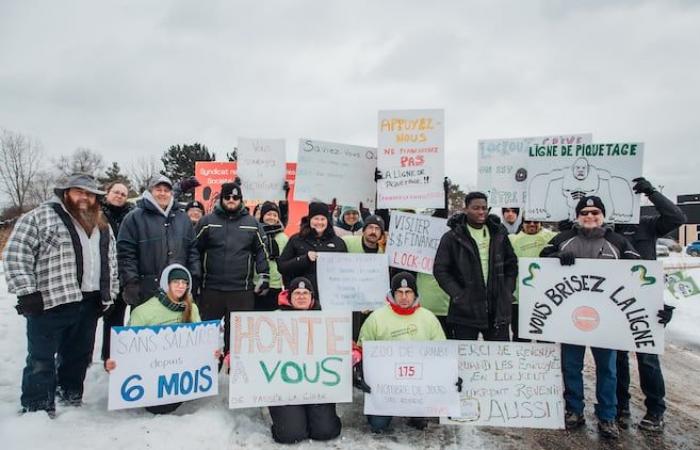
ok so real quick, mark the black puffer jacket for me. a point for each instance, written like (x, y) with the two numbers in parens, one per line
(115, 214)
(150, 240)
(232, 245)
(294, 261)
(457, 270)
(596, 243)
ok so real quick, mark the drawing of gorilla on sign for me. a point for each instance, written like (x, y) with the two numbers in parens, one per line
(553, 195)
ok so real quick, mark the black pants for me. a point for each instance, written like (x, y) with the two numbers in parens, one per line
(465, 333)
(651, 380)
(215, 304)
(514, 326)
(60, 342)
(114, 319)
(358, 318)
(294, 423)
(267, 302)
(445, 326)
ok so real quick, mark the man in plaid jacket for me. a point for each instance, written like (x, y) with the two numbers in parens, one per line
(61, 262)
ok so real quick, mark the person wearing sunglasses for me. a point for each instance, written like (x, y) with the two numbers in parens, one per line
(589, 238)
(232, 245)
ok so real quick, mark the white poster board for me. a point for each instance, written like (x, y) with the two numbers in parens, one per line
(560, 175)
(510, 384)
(413, 241)
(411, 159)
(503, 172)
(262, 168)
(157, 365)
(327, 170)
(596, 302)
(290, 358)
(352, 281)
(411, 378)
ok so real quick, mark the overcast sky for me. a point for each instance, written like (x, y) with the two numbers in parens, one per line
(130, 78)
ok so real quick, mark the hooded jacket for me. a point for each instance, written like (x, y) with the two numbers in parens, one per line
(596, 243)
(458, 271)
(150, 239)
(232, 245)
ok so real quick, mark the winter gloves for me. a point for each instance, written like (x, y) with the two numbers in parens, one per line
(130, 293)
(263, 285)
(189, 183)
(358, 379)
(567, 258)
(30, 304)
(665, 315)
(643, 186)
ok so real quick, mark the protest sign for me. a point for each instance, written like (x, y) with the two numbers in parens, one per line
(413, 241)
(681, 284)
(411, 378)
(327, 170)
(560, 175)
(510, 384)
(503, 172)
(290, 358)
(352, 281)
(411, 159)
(261, 166)
(157, 365)
(598, 302)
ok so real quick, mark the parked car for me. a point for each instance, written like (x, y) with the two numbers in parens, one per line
(662, 250)
(693, 249)
(671, 244)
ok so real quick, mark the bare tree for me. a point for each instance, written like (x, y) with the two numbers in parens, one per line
(42, 187)
(19, 165)
(83, 160)
(142, 170)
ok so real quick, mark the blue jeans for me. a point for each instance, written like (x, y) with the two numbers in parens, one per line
(606, 380)
(651, 380)
(379, 423)
(59, 350)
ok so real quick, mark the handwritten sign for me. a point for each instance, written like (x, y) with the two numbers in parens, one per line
(681, 284)
(352, 281)
(411, 378)
(503, 172)
(597, 302)
(261, 166)
(327, 170)
(413, 241)
(560, 175)
(157, 365)
(411, 159)
(290, 358)
(510, 384)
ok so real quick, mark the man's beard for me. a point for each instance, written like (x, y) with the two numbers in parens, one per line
(87, 218)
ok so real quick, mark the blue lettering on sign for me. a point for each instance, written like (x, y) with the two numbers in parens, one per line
(132, 393)
(185, 383)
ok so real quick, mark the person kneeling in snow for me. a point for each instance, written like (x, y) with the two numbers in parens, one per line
(295, 423)
(172, 304)
(402, 319)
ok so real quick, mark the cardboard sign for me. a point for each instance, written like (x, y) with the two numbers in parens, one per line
(510, 384)
(327, 170)
(411, 378)
(413, 241)
(681, 285)
(262, 168)
(560, 175)
(157, 365)
(290, 358)
(411, 159)
(503, 172)
(597, 302)
(352, 281)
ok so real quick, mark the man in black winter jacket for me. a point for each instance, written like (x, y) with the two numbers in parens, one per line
(154, 235)
(232, 245)
(476, 266)
(651, 379)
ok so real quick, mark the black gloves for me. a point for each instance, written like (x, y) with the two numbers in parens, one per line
(358, 379)
(567, 258)
(459, 384)
(188, 184)
(30, 304)
(377, 175)
(564, 225)
(262, 287)
(665, 315)
(643, 186)
(131, 293)
(286, 188)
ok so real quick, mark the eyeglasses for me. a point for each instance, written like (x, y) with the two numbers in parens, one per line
(590, 212)
(232, 197)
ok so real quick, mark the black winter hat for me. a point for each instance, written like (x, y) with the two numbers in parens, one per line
(178, 274)
(589, 202)
(231, 189)
(403, 280)
(318, 209)
(374, 220)
(267, 207)
(300, 283)
(194, 204)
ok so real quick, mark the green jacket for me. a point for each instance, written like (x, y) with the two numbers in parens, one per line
(152, 312)
(386, 325)
(432, 297)
(354, 244)
(529, 246)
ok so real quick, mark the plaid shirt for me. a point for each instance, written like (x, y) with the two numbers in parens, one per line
(39, 256)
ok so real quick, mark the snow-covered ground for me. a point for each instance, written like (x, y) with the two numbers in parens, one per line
(209, 424)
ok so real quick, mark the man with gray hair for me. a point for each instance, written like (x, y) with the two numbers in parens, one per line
(154, 235)
(61, 262)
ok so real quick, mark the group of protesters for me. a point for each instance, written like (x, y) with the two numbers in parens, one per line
(89, 253)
